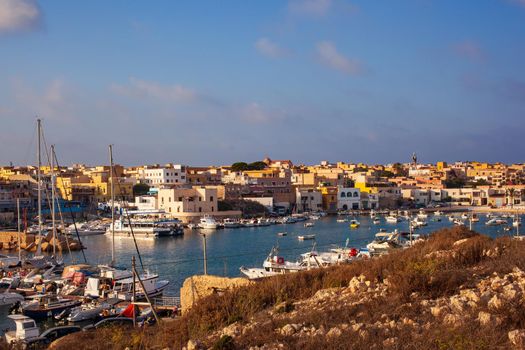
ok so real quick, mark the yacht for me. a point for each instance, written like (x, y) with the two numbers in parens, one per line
(43, 306)
(140, 228)
(418, 222)
(88, 311)
(207, 223)
(386, 241)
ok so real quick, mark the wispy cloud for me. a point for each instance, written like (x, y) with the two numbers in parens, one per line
(470, 50)
(151, 89)
(19, 15)
(269, 48)
(255, 113)
(517, 2)
(316, 8)
(331, 57)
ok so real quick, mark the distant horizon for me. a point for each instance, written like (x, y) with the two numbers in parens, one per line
(207, 83)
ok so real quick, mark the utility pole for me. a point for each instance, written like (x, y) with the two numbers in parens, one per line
(205, 254)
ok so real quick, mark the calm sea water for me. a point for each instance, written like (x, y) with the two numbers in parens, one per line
(177, 258)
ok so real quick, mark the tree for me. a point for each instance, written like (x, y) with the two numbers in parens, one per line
(239, 166)
(140, 190)
(257, 165)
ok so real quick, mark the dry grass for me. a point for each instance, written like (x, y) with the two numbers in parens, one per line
(417, 272)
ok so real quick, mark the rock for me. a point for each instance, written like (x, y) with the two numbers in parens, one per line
(487, 319)
(510, 292)
(460, 242)
(389, 342)
(453, 320)
(232, 330)
(517, 338)
(470, 295)
(194, 345)
(495, 303)
(363, 334)
(437, 311)
(334, 332)
(356, 327)
(356, 285)
(288, 330)
(457, 304)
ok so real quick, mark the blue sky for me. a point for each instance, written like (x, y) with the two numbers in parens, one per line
(213, 82)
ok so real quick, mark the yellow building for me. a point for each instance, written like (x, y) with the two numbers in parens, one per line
(93, 189)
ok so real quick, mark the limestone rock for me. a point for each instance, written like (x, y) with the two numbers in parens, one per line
(517, 338)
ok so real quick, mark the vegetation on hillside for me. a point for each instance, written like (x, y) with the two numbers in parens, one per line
(448, 263)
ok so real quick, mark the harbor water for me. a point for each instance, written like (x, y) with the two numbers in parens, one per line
(177, 258)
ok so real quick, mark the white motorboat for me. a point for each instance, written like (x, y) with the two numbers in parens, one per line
(207, 223)
(305, 237)
(230, 223)
(7, 261)
(438, 213)
(308, 224)
(342, 220)
(392, 219)
(249, 223)
(10, 298)
(418, 222)
(123, 288)
(376, 221)
(496, 221)
(314, 217)
(273, 265)
(87, 311)
(422, 214)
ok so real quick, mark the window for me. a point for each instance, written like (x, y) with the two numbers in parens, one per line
(211, 200)
(349, 194)
(343, 195)
(356, 194)
(200, 209)
(212, 208)
(169, 200)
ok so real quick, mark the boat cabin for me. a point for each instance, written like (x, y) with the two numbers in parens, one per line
(26, 328)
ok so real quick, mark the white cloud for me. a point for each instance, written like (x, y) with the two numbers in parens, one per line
(19, 15)
(151, 89)
(329, 56)
(268, 48)
(310, 7)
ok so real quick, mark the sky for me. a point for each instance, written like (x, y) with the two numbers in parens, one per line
(215, 82)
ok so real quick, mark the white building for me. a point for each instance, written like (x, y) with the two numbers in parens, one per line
(146, 203)
(348, 198)
(169, 175)
(308, 199)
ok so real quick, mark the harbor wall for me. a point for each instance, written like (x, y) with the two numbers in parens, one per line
(197, 287)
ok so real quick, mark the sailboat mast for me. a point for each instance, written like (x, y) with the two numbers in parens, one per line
(53, 198)
(19, 226)
(39, 180)
(112, 205)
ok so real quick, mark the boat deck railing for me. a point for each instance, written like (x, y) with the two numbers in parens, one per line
(166, 302)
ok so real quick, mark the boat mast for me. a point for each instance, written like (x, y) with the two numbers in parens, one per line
(53, 195)
(39, 175)
(112, 205)
(19, 225)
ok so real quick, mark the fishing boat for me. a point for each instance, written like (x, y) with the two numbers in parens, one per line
(305, 237)
(354, 224)
(42, 306)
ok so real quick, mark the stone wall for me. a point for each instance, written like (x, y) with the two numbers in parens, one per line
(197, 287)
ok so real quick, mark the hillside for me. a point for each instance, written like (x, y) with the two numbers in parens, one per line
(457, 290)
